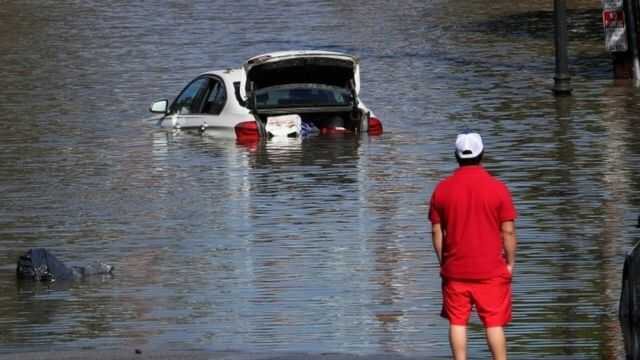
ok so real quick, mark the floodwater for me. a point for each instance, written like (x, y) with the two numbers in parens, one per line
(319, 245)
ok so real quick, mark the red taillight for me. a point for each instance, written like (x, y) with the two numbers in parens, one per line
(375, 126)
(334, 131)
(247, 131)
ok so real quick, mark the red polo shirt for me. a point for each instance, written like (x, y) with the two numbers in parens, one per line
(470, 206)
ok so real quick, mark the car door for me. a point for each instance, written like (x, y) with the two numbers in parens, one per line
(200, 104)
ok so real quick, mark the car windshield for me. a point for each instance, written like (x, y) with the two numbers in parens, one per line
(302, 95)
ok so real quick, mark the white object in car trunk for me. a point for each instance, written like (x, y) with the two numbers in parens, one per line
(284, 125)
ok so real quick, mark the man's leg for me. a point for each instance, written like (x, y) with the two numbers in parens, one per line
(497, 342)
(493, 302)
(458, 341)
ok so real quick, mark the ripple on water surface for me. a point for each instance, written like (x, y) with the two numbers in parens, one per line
(313, 245)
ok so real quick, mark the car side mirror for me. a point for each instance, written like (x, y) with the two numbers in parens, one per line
(159, 107)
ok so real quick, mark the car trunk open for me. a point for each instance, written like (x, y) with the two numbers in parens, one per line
(322, 88)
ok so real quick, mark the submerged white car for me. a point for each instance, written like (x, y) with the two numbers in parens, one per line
(289, 94)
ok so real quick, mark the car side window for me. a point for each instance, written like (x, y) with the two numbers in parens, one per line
(190, 100)
(216, 98)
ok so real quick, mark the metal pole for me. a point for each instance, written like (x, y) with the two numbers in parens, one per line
(562, 79)
(630, 10)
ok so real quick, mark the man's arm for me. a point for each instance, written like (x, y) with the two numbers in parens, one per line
(436, 237)
(508, 230)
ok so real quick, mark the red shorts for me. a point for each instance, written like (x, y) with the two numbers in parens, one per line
(492, 298)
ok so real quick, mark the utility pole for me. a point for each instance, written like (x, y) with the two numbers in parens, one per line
(562, 79)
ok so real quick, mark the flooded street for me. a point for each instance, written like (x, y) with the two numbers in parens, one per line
(315, 245)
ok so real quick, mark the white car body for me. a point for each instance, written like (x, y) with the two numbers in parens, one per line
(319, 87)
(222, 123)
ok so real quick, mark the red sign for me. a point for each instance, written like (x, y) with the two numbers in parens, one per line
(613, 18)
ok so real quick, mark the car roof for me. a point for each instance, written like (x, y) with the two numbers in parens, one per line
(231, 75)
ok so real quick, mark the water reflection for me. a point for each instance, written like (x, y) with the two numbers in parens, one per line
(616, 182)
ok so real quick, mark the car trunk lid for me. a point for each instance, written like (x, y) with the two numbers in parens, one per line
(312, 67)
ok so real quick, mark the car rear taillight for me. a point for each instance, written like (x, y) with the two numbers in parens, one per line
(247, 131)
(334, 131)
(375, 126)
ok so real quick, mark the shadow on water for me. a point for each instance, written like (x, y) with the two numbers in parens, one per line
(506, 32)
(583, 25)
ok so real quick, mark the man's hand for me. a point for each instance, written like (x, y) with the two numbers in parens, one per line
(436, 237)
(508, 232)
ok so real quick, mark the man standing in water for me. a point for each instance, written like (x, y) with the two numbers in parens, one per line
(472, 218)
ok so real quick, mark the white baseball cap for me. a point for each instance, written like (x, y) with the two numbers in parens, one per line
(469, 145)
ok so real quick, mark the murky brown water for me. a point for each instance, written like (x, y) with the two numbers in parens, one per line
(313, 246)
